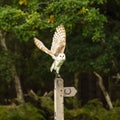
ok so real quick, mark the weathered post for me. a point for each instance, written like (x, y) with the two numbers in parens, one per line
(59, 93)
(58, 99)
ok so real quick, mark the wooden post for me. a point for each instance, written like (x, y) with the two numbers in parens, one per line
(58, 99)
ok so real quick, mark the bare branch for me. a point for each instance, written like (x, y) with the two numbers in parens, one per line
(105, 93)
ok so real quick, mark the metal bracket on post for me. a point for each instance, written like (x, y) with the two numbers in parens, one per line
(58, 99)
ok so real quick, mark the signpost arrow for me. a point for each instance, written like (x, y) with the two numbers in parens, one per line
(69, 91)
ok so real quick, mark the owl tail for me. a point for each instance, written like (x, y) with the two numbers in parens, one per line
(57, 75)
(54, 67)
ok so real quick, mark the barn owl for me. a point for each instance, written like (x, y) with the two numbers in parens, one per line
(57, 48)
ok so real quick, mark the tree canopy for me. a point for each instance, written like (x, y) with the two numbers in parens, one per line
(93, 44)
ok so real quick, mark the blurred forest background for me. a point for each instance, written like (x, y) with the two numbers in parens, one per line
(93, 46)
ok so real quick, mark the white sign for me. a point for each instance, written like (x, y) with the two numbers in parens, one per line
(69, 91)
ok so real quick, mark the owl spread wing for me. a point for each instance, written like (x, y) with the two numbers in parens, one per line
(59, 40)
(42, 47)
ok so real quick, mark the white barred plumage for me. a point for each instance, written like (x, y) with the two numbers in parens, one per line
(57, 48)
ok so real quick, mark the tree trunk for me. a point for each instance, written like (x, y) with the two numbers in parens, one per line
(105, 93)
(19, 92)
(76, 101)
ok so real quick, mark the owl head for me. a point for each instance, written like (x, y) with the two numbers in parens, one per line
(61, 56)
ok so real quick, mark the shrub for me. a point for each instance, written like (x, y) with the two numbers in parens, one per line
(21, 112)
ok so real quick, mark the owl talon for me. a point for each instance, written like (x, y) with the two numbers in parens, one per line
(58, 75)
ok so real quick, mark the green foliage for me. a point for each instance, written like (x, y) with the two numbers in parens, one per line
(93, 110)
(10, 17)
(23, 24)
(78, 12)
(27, 29)
(98, 1)
(23, 112)
(5, 64)
(114, 114)
(5, 76)
(94, 24)
(116, 103)
(47, 104)
(87, 23)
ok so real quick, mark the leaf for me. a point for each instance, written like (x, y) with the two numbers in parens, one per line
(23, 2)
(83, 10)
(51, 19)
